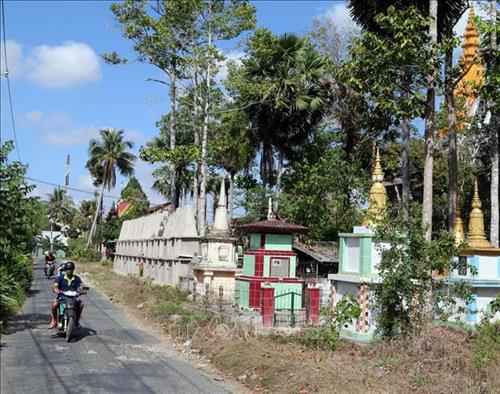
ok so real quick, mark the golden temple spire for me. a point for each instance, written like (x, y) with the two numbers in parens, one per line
(458, 227)
(476, 237)
(378, 194)
(471, 65)
(470, 44)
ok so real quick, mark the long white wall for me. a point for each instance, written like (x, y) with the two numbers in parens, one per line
(165, 243)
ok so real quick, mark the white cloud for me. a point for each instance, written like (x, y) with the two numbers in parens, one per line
(34, 117)
(58, 128)
(135, 136)
(14, 58)
(65, 65)
(339, 14)
(233, 56)
(75, 136)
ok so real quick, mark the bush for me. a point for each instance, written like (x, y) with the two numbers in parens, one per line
(487, 347)
(326, 336)
(11, 294)
(77, 250)
(162, 309)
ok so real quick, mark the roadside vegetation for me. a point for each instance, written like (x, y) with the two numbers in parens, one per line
(19, 213)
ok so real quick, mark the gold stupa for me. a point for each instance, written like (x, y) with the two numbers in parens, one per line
(476, 237)
(471, 64)
(378, 194)
(458, 228)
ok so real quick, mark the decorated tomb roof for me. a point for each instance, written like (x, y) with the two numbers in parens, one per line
(273, 226)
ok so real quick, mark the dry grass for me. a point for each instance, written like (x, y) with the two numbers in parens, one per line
(442, 360)
(437, 362)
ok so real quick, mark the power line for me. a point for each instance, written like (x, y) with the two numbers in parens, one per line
(70, 188)
(6, 75)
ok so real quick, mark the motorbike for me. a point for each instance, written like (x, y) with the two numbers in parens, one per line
(66, 312)
(50, 267)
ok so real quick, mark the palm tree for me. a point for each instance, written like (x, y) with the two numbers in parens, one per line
(292, 95)
(106, 155)
(60, 209)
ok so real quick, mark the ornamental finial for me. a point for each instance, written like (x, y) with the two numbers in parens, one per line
(476, 202)
(378, 194)
(476, 237)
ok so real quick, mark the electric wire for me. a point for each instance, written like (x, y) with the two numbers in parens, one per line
(69, 187)
(6, 74)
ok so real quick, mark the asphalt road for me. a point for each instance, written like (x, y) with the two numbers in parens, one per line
(110, 354)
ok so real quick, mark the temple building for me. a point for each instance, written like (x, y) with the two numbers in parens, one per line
(478, 265)
(359, 256)
(269, 260)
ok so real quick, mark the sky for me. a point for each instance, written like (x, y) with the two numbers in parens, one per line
(63, 93)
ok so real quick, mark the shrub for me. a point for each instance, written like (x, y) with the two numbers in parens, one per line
(77, 250)
(487, 347)
(11, 293)
(162, 309)
(327, 336)
(407, 290)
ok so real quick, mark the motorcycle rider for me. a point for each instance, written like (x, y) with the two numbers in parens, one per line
(64, 282)
(49, 258)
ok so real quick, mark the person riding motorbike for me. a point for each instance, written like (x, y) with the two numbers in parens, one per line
(49, 258)
(65, 282)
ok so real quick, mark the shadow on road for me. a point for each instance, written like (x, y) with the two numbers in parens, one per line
(32, 292)
(27, 321)
(82, 333)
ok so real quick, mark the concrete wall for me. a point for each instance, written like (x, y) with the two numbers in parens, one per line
(165, 243)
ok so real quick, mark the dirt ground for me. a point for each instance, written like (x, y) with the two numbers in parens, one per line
(442, 360)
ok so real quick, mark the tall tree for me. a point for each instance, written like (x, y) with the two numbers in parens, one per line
(184, 155)
(106, 155)
(495, 125)
(220, 21)
(388, 69)
(444, 15)
(232, 146)
(160, 31)
(135, 196)
(490, 94)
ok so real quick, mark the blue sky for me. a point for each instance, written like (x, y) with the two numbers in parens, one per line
(63, 92)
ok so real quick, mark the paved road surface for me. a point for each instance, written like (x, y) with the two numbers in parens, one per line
(108, 355)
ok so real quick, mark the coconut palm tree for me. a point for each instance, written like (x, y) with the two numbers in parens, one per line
(106, 155)
(60, 209)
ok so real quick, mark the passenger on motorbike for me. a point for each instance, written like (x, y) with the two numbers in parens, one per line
(65, 282)
(60, 269)
(49, 258)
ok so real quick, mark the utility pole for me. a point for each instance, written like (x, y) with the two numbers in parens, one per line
(68, 170)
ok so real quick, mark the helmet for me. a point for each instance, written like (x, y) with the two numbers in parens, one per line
(69, 265)
(50, 253)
